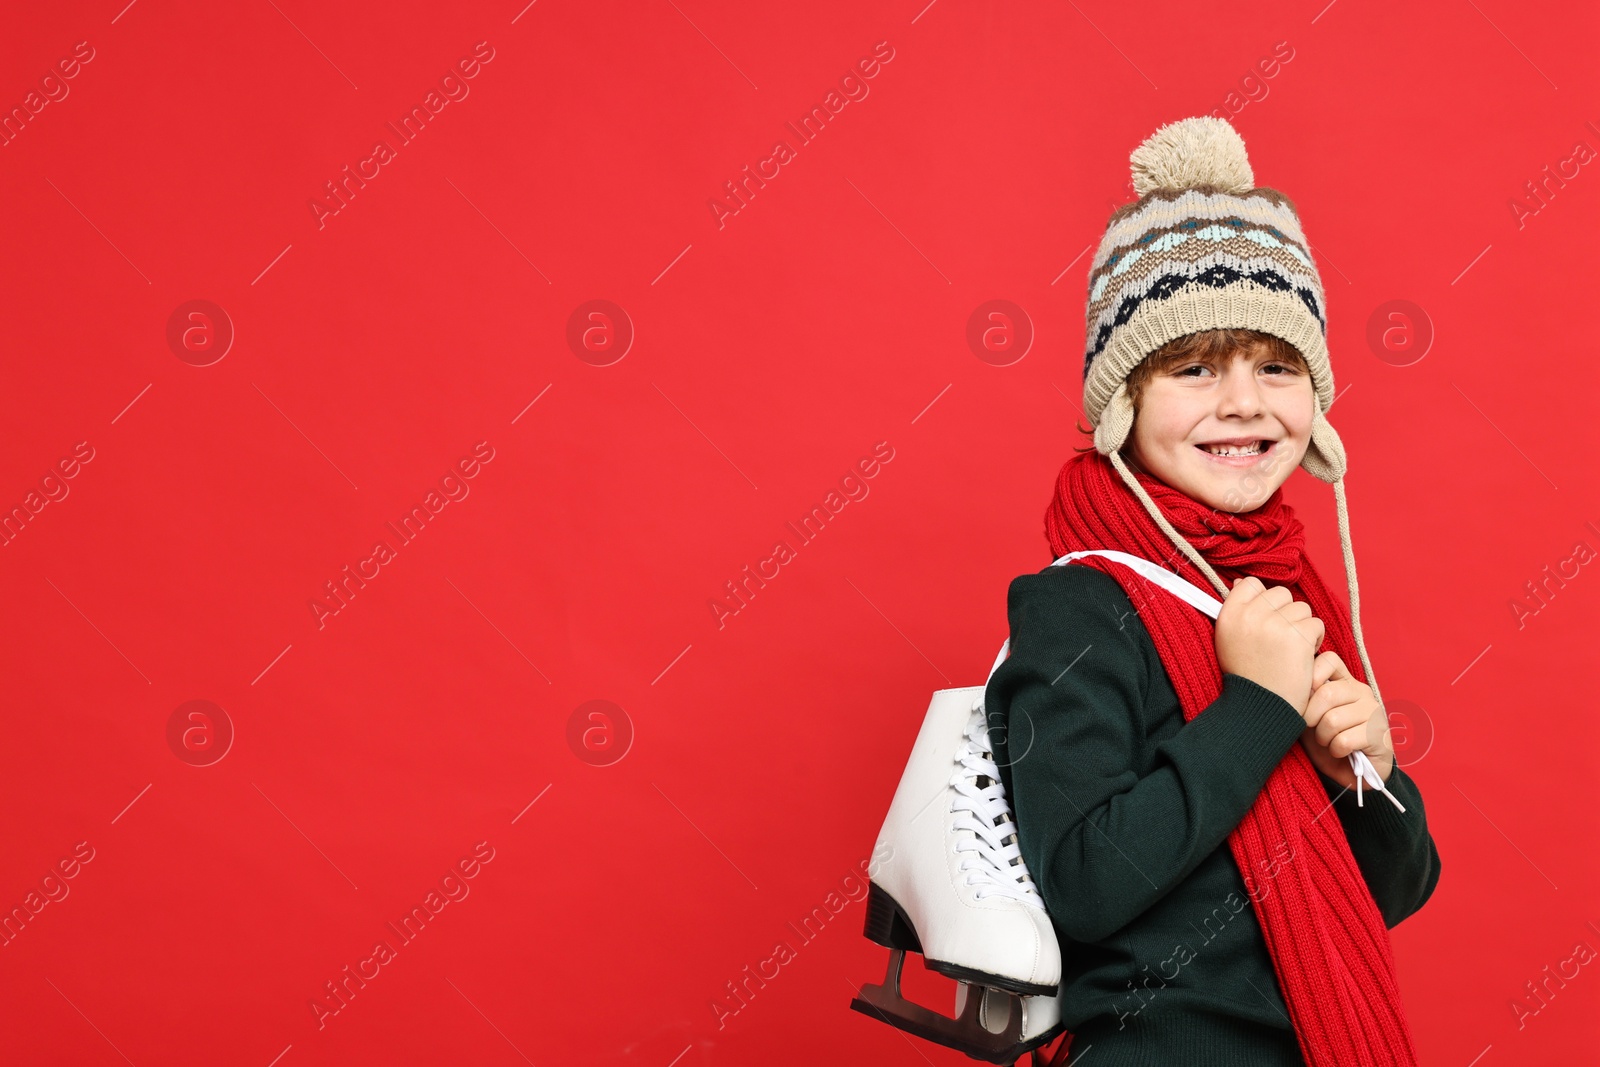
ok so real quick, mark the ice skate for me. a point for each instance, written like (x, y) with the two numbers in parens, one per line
(954, 887)
(955, 890)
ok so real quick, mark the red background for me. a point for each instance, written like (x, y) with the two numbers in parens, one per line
(432, 711)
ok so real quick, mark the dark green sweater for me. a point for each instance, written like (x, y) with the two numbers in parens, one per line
(1123, 813)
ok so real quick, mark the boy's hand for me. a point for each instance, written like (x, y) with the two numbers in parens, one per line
(1343, 716)
(1267, 636)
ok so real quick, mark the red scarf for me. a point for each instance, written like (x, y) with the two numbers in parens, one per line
(1329, 945)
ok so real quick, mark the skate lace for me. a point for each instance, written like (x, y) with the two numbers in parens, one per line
(995, 863)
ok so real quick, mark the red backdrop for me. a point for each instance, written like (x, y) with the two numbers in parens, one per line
(401, 345)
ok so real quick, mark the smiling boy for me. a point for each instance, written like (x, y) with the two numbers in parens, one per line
(1146, 735)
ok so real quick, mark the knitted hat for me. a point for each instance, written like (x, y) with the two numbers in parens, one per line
(1204, 248)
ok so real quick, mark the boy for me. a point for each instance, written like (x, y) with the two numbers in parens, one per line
(1134, 736)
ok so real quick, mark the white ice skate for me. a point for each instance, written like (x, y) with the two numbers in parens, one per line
(954, 889)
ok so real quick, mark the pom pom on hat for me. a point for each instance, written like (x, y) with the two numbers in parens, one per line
(1197, 151)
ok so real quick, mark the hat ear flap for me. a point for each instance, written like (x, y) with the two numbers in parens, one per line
(1116, 421)
(1324, 458)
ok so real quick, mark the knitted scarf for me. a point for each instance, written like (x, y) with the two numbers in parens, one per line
(1327, 938)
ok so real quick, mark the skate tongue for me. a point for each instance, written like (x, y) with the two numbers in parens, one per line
(993, 857)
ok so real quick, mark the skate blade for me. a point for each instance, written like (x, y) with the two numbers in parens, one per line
(965, 1032)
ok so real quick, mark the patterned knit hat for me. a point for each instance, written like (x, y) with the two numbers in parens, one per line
(1204, 248)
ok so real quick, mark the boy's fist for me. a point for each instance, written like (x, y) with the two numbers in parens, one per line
(1343, 716)
(1267, 636)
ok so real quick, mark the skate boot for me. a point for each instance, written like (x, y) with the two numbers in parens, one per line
(955, 890)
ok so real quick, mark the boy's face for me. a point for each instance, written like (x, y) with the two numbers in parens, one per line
(1244, 397)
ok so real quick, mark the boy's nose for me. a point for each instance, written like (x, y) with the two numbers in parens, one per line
(1239, 394)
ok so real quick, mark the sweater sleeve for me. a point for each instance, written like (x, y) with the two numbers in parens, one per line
(1103, 840)
(1394, 849)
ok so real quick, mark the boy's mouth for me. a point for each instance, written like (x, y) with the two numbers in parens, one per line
(1237, 452)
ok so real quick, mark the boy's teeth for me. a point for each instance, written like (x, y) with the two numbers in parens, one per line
(1234, 450)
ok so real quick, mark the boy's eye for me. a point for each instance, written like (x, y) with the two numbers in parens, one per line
(1194, 369)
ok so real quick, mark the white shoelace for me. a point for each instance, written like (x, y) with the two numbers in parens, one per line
(1366, 772)
(995, 863)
